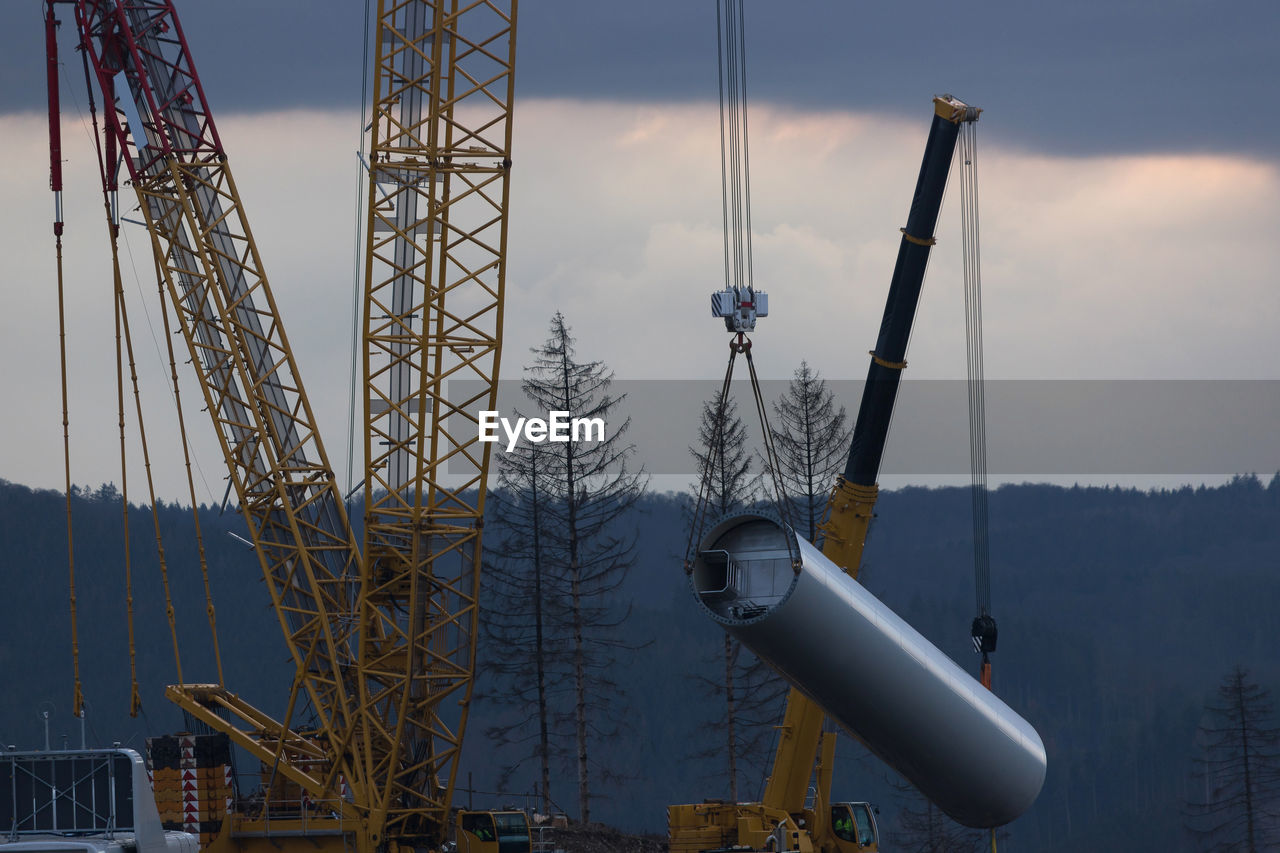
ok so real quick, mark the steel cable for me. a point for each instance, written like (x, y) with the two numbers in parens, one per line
(78, 694)
(700, 506)
(735, 181)
(106, 171)
(975, 366)
(191, 484)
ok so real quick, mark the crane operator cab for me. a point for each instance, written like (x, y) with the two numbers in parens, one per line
(493, 832)
(853, 826)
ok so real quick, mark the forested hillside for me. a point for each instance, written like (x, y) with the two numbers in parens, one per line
(1120, 613)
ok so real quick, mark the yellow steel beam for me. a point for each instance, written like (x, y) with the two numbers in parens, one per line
(265, 738)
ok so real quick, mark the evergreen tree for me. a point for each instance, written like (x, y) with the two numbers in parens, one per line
(588, 490)
(1239, 769)
(812, 442)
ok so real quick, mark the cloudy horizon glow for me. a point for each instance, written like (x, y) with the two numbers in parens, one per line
(1094, 267)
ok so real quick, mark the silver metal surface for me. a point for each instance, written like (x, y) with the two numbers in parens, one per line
(870, 672)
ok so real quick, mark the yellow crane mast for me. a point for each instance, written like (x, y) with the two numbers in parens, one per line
(435, 264)
(382, 636)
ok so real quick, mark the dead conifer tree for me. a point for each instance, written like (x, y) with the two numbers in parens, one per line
(587, 491)
(812, 438)
(752, 692)
(1239, 770)
(519, 618)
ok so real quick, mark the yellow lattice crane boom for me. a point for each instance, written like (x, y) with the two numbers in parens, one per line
(435, 265)
(382, 632)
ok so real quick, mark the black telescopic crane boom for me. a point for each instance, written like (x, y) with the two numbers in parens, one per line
(889, 357)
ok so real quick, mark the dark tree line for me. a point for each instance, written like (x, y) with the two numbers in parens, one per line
(1123, 607)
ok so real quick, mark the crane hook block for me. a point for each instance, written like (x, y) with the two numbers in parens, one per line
(739, 307)
(984, 634)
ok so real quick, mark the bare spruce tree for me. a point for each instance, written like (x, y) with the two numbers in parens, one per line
(587, 490)
(812, 441)
(721, 458)
(519, 625)
(724, 480)
(751, 691)
(1238, 770)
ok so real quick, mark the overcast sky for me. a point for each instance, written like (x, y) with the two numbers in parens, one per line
(1129, 184)
(1090, 76)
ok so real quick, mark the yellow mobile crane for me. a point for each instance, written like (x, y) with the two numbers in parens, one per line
(783, 819)
(381, 631)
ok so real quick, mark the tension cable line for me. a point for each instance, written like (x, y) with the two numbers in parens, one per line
(108, 164)
(702, 504)
(146, 458)
(117, 297)
(357, 281)
(55, 184)
(984, 625)
(770, 448)
(735, 172)
(191, 484)
(52, 80)
(738, 304)
(740, 345)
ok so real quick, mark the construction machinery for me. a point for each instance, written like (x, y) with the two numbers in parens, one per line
(381, 626)
(81, 801)
(786, 818)
(493, 832)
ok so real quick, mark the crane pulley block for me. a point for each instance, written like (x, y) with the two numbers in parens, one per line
(984, 633)
(739, 308)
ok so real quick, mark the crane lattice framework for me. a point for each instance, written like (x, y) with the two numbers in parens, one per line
(384, 643)
(435, 264)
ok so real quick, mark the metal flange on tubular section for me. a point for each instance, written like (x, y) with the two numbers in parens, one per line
(870, 672)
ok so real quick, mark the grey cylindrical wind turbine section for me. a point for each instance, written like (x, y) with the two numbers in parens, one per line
(869, 671)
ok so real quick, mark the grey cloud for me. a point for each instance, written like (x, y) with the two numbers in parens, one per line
(1087, 77)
